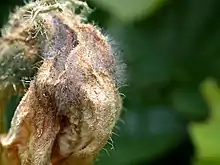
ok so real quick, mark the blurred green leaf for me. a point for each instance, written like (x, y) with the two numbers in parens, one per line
(129, 10)
(209, 161)
(207, 135)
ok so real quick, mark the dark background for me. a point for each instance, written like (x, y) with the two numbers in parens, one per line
(172, 50)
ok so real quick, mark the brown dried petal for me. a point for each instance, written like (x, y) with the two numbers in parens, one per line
(73, 103)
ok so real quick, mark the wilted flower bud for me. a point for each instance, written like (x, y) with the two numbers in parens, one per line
(73, 102)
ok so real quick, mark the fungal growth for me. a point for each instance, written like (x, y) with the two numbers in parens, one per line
(72, 102)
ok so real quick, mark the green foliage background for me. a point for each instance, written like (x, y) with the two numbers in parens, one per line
(172, 51)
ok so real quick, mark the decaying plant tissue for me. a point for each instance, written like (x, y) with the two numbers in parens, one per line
(72, 103)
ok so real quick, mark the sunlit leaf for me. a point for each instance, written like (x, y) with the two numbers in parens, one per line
(206, 135)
